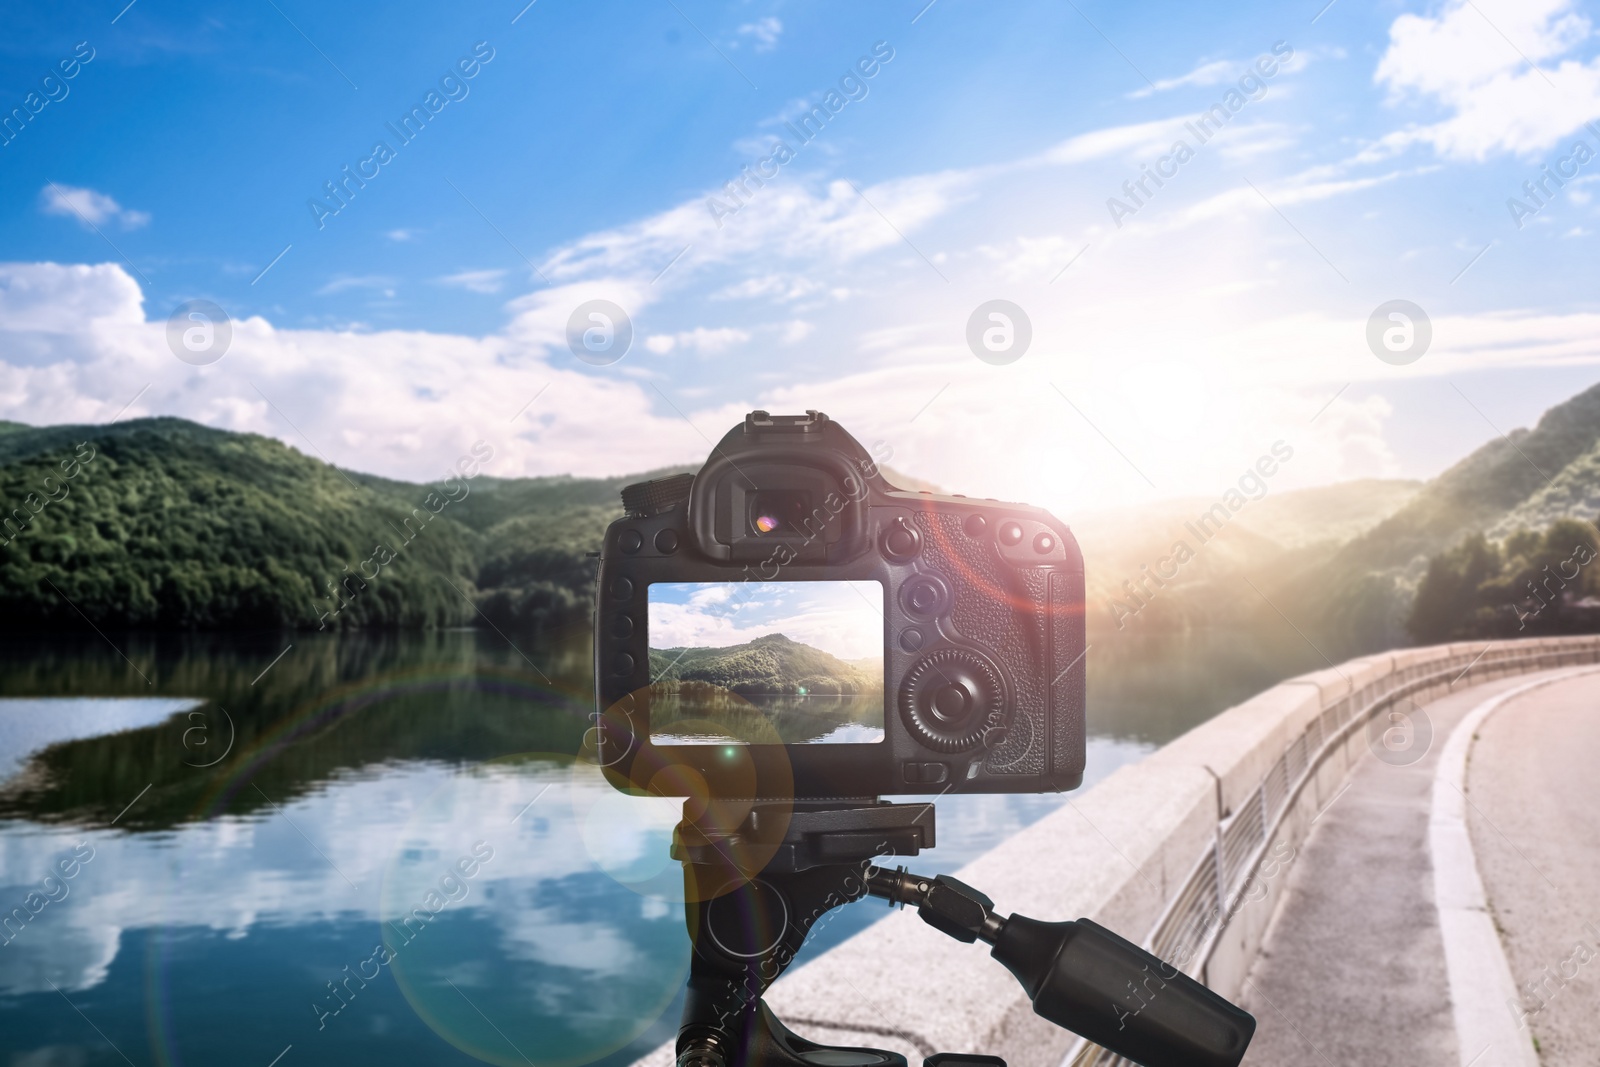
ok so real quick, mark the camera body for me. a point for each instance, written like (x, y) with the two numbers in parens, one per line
(980, 604)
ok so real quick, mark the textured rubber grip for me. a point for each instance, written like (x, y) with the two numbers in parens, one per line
(1087, 979)
(651, 498)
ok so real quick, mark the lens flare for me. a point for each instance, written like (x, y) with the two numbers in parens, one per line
(480, 917)
(766, 523)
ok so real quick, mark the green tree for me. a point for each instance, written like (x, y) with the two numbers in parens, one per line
(1448, 603)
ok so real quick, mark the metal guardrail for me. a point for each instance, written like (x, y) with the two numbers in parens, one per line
(1197, 916)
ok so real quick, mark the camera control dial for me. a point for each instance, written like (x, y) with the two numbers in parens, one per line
(952, 698)
(643, 499)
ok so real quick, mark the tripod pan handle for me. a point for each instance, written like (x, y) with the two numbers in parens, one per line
(1085, 978)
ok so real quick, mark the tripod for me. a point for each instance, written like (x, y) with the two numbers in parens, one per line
(755, 891)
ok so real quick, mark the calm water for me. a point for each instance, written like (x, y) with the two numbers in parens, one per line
(710, 715)
(209, 854)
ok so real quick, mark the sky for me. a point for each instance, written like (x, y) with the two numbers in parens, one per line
(843, 619)
(1154, 339)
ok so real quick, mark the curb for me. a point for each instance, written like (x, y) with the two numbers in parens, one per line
(1488, 1033)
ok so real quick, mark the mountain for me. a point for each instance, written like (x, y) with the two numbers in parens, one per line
(1117, 544)
(1362, 594)
(770, 664)
(1545, 471)
(1154, 572)
(1341, 564)
(496, 500)
(873, 665)
(166, 524)
(163, 523)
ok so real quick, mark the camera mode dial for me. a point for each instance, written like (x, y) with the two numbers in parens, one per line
(952, 698)
(643, 499)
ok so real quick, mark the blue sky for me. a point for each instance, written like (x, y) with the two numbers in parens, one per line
(1170, 346)
(844, 619)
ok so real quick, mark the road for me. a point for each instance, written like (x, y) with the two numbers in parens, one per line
(1534, 783)
(1353, 970)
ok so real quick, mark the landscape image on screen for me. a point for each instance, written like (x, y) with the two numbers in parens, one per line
(766, 662)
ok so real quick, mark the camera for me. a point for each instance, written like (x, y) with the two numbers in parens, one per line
(785, 623)
(782, 638)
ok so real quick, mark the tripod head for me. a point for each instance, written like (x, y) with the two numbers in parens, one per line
(747, 926)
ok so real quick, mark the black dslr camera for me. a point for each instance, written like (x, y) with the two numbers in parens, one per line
(783, 638)
(788, 599)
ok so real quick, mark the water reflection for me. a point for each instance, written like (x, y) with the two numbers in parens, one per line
(697, 713)
(227, 911)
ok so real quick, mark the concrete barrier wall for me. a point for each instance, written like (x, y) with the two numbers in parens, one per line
(1184, 849)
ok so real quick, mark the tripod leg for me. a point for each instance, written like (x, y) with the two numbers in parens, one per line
(743, 940)
(761, 1040)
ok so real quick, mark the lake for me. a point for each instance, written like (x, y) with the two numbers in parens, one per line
(701, 714)
(377, 849)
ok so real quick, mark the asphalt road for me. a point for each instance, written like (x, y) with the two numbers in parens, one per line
(1534, 786)
(1352, 971)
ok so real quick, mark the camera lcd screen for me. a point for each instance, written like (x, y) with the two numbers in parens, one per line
(794, 663)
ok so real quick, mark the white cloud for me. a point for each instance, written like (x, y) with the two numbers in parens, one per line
(776, 286)
(843, 619)
(1472, 60)
(1117, 141)
(408, 403)
(478, 281)
(1213, 73)
(877, 335)
(787, 218)
(340, 283)
(247, 873)
(707, 342)
(88, 207)
(401, 235)
(763, 32)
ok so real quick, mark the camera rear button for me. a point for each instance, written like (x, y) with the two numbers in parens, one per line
(951, 702)
(1011, 533)
(667, 542)
(902, 541)
(976, 525)
(622, 627)
(911, 639)
(1044, 544)
(621, 588)
(630, 541)
(925, 595)
(622, 664)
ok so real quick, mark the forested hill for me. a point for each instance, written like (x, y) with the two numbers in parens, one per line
(164, 523)
(1343, 563)
(1526, 479)
(1362, 594)
(770, 664)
